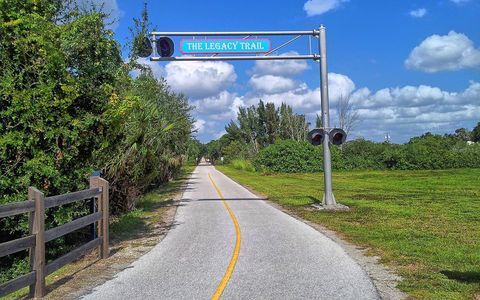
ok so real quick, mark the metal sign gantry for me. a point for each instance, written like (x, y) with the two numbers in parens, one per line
(320, 33)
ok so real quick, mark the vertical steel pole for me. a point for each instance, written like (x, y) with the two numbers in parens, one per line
(328, 198)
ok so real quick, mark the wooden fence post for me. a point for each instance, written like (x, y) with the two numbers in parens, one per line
(31, 251)
(39, 231)
(103, 207)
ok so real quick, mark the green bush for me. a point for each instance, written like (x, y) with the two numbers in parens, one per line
(241, 164)
(55, 82)
(289, 157)
(69, 105)
(420, 153)
(362, 154)
(466, 157)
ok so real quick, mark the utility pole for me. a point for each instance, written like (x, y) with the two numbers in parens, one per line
(328, 198)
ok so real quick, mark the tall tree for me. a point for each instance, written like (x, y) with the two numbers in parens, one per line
(285, 121)
(262, 137)
(292, 126)
(139, 32)
(272, 120)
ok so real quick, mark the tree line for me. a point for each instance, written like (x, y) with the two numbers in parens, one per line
(267, 138)
(257, 127)
(68, 106)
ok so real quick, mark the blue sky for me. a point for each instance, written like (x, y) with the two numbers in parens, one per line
(408, 66)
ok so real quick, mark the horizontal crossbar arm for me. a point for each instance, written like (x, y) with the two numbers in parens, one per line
(16, 208)
(72, 226)
(220, 58)
(236, 33)
(54, 201)
(71, 256)
(17, 245)
(17, 283)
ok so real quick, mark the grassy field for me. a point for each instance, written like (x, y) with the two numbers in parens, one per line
(423, 224)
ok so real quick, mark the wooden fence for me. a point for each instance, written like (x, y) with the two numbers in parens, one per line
(35, 242)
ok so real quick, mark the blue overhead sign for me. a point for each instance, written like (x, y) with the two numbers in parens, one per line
(224, 46)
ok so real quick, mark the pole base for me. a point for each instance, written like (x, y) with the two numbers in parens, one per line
(335, 207)
(331, 201)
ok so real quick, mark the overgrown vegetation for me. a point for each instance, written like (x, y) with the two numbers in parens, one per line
(289, 157)
(427, 152)
(424, 224)
(274, 140)
(68, 106)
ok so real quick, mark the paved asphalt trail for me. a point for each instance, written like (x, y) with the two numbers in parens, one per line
(279, 257)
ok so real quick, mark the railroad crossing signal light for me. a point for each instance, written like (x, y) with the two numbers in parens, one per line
(316, 136)
(337, 136)
(145, 48)
(165, 46)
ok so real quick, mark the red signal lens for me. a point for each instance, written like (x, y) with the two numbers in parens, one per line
(316, 136)
(337, 137)
(165, 47)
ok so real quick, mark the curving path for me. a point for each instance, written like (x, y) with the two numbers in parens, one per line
(269, 255)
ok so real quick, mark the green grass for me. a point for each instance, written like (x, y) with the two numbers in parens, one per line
(241, 164)
(424, 224)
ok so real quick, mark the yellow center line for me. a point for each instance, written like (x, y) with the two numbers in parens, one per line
(236, 250)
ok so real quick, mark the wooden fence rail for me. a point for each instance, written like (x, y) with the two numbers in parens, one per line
(38, 236)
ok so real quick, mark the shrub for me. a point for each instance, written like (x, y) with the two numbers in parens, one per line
(363, 154)
(420, 153)
(395, 157)
(241, 164)
(289, 156)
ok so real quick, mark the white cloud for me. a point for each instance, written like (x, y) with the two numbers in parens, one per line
(454, 51)
(199, 125)
(223, 106)
(402, 111)
(418, 13)
(417, 96)
(339, 85)
(302, 98)
(280, 67)
(199, 79)
(318, 7)
(412, 110)
(271, 84)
